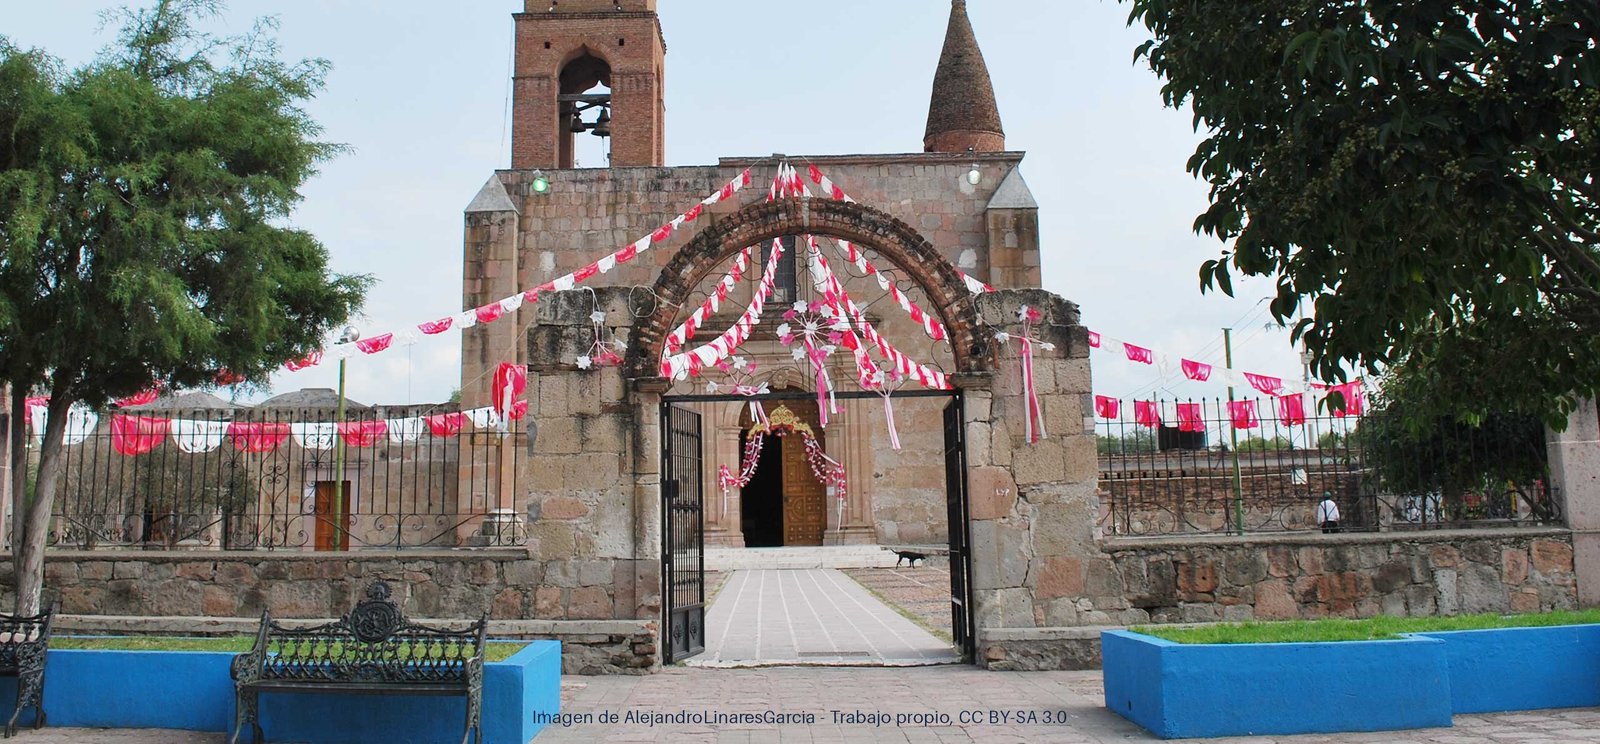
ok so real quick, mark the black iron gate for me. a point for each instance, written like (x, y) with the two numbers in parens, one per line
(683, 535)
(955, 476)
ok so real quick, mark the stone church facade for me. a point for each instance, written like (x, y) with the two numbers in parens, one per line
(593, 471)
(517, 237)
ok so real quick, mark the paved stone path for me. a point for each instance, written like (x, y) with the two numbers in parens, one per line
(923, 591)
(1073, 697)
(810, 616)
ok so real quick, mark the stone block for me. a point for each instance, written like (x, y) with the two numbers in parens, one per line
(562, 573)
(1525, 601)
(1061, 576)
(1280, 562)
(1244, 569)
(1551, 556)
(1444, 556)
(1481, 589)
(1392, 576)
(993, 494)
(218, 602)
(561, 507)
(1514, 566)
(1003, 608)
(1446, 597)
(507, 605)
(93, 571)
(589, 603)
(1274, 602)
(1196, 578)
(547, 603)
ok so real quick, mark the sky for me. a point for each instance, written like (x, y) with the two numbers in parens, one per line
(419, 91)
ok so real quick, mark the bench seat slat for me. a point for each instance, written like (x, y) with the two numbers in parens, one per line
(357, 688)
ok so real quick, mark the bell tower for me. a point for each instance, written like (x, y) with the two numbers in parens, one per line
(568, 52)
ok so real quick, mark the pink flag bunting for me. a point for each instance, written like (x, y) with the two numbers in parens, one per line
(362, 433)
(1194, 370)
(309, 360)
(661, 233)
(436, 326)
(510, 382)
(148, 395)
(1139, 354)
(136, 435)
(489, 313)
(1292, 409)
(446, 424)
(1189, 417)
(1145, 413)
(1243, 414)
(375, 344)
(1353, 403)
(1106, 407)
(251, 436)
(1094, 340)
(1268, 385)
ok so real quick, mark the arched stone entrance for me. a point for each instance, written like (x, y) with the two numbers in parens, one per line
(910, 253)
(598, 484)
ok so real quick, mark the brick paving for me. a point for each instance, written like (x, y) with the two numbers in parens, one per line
(923, 591)
(810, 616)
(1072, 697)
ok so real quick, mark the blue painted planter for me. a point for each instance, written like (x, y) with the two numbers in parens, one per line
(192, 690)
(1522, 668)
(1197, 690)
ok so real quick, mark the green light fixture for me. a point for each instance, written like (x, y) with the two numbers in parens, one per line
(540, 183)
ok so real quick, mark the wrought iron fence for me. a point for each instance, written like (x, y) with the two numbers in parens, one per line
(1181, 467)
(202, 493)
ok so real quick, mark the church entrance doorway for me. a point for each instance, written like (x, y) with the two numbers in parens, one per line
(784, 504)
(827, 615)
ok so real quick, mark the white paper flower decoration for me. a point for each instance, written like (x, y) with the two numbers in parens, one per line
(598, 316)
(584, 362)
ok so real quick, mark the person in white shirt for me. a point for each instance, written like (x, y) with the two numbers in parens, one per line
(1328, 513)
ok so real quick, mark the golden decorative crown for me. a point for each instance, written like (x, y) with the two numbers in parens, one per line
(781, 418)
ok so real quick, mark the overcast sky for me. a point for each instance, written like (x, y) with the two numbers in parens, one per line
(419, 90)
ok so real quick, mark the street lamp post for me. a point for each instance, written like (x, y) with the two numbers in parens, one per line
(349, 335)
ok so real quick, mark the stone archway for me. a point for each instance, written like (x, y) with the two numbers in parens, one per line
(896, 241)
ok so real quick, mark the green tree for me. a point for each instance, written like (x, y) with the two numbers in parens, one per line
(144, 208)
(1415, 176)
(1134, 441)
(1262, 444)
(1414, 447)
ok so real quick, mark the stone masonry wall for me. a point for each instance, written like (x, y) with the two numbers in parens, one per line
(508, 585)
(1313, 575)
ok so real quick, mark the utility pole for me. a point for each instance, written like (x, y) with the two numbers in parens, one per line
(1233, 435)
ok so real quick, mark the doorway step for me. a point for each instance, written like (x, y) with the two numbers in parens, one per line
(821, 556)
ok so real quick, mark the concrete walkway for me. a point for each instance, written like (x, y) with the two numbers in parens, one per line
(810, 617)
(845, 705)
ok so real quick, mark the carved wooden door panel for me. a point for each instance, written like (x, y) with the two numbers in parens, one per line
(805, 499)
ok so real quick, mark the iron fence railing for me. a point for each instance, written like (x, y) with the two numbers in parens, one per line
(399, 492)
(1166, 471)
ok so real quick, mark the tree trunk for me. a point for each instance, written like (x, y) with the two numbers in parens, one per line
(19, 471)
(34, 532)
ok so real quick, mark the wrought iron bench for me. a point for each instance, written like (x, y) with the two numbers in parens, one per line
(24, 640)
(374, 650)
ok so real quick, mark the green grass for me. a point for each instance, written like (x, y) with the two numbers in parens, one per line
(492, 651)
(1377, 628)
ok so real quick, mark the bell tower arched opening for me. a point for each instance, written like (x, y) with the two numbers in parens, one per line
(585, 108)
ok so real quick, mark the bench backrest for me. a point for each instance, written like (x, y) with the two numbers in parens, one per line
(24, 637)
(374, 643)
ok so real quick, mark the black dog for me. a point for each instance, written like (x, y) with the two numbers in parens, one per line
(909, 555)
